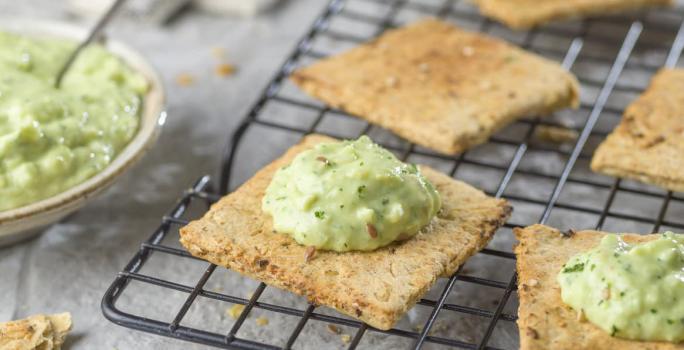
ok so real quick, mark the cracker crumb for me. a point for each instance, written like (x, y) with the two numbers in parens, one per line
(555, 134)
(261, 321)
(185, 79)
(235, 311)
(225, 70)
(468, 51)
(333, 329)
(418, 328)
(346, 338)
(218, 52)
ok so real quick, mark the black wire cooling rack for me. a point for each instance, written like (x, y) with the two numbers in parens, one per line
(613, 58)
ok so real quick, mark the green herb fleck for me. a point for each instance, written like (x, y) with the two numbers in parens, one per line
(654, 311)
(361, 189)
(579, 267)
(385, 201)
(622, 294)
(319, 214)
(669, 321)
(614, 331)
(593, 266)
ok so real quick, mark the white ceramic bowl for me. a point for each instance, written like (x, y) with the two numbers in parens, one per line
(24, 222)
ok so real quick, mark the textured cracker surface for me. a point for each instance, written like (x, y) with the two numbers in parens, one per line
(545, 322)
(439, 86)
(648, 144)
(377, 287)
(524, 14)
(43, 332)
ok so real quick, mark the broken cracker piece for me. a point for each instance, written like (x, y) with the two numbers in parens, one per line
(555, 134)
(44, 332)
(377, 287)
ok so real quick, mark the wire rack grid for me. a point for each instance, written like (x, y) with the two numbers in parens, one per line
(613, 59)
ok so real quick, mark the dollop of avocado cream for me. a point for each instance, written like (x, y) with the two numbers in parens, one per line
(632, 291)
(350, 195)
(53, 139)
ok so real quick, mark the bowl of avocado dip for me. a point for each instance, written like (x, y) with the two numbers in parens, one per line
(61, 146)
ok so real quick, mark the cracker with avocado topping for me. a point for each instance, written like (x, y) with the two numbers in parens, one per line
(648, 144)
(524, 14)
(46, 332)
(377, 287)
(440, 86)
(545, 322)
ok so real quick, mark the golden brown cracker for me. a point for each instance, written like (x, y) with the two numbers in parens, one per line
(377, 287)
(439, 86)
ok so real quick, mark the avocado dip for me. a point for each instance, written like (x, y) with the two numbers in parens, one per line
(350, 195)
(632, 291)
(53, 139)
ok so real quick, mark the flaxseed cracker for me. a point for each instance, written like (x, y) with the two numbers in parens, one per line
(439, 86)
(545, 322)
(377, 287)
(648, 144)
(44, 332)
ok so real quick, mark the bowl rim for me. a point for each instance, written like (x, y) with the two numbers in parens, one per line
(153, 117)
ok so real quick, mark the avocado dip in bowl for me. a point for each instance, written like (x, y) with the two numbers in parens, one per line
(60, 147)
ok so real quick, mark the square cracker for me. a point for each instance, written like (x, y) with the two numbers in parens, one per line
(524, 14)
(545, 322)
(377, 287)
(439, 86)
(648, 144)
(45, 332)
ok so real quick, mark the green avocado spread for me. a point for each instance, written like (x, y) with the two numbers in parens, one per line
(350, 195)
(632, 291)
(53, 139)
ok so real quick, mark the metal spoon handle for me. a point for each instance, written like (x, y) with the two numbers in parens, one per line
(101, 23)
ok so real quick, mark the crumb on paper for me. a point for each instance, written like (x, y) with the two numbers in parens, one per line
(418, 328)
(250, 295)
(333, 329)
(235, 311)
(346, 338)
(555, 134)
(218, 52)
(261, 321)
(225, 70)
(185, 79)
